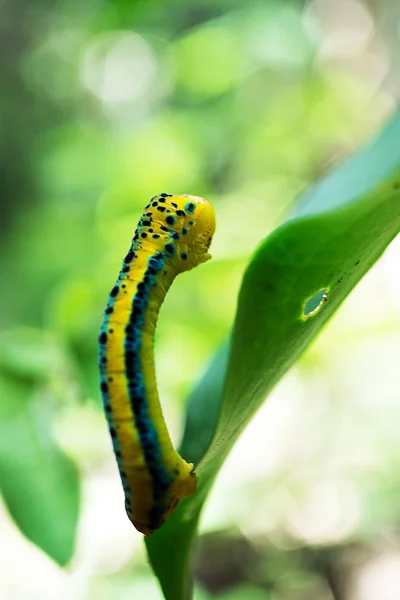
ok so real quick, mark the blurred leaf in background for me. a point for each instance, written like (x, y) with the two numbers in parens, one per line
(104, 104)
(39, 484)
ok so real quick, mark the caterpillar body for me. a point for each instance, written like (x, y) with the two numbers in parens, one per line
(173, 235)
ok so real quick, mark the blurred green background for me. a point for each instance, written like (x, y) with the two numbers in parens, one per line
(104, 104)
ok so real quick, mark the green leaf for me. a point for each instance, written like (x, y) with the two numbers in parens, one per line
(39, 484)
(341, 227)
(203, 408)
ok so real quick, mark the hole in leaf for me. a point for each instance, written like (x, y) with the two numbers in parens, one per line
(314, 304)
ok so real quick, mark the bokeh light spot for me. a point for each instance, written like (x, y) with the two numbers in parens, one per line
(118, 67)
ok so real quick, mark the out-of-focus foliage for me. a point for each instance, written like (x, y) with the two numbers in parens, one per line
(104, 104)
(38, 482)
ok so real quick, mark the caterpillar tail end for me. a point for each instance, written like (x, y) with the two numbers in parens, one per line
(182, 488)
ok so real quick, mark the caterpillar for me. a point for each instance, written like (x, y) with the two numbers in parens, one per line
(173, 235)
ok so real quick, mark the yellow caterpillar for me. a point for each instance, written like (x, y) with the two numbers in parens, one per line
(173, 235)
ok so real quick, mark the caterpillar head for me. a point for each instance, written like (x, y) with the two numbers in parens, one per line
(201, 212)
(180, 227)
(201, 221)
